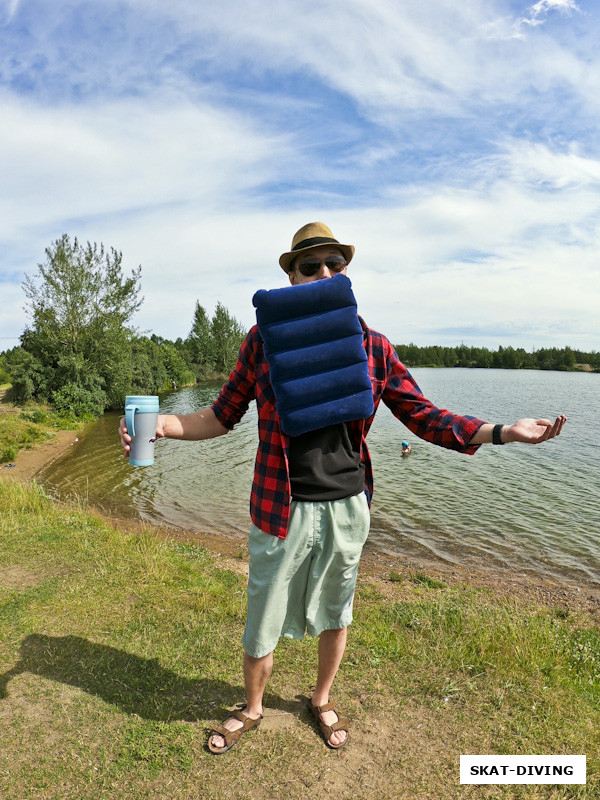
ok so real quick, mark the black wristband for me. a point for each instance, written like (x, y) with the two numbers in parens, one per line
(496, 433)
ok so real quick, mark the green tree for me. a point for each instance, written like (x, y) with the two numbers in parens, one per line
(200, 343)
(79, 302)
(4, 375)
(511, 358)
(482, 357)
(567, 360)
(177, 369)
(227, 336)
(25, 374)
(147, 371)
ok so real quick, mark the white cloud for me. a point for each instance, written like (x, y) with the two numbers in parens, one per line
(544, 7)
(388, 57)
(538, 165)
(71, 162)
(534, 16)
(512, 259)
(144, 176)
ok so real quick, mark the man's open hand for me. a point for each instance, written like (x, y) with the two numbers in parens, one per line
(533, 431)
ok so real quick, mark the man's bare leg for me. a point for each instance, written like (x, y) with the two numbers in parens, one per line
(257, 672)
(332, 645)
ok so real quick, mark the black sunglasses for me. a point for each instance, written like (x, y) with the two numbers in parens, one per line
(313, 265)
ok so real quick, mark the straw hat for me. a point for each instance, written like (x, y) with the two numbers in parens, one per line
(315, 234)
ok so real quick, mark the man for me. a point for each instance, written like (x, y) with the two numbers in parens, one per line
(311, 494)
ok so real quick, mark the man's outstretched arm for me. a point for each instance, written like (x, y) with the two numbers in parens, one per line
(201, 424)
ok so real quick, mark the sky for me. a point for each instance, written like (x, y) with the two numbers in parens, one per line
(454, 144)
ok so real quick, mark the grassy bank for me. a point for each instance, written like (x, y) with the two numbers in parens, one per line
(117, 650)
(22, 428)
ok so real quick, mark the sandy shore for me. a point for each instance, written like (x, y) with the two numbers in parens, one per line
(29, 462)
(375, 566)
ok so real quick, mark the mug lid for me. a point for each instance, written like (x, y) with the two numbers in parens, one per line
(145, 402)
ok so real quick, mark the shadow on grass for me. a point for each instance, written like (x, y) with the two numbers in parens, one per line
(134, 684)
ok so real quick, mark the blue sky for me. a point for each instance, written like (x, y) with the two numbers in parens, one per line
(455, 145)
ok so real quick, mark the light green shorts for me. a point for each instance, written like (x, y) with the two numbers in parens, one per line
(306, 581)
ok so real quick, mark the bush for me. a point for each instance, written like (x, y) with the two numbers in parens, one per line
(8, 452)
(4, 376)
(38, 416)
(17, 434)
(79, 401)
(25, 374)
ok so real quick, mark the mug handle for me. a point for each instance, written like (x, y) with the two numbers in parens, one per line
(129, 419)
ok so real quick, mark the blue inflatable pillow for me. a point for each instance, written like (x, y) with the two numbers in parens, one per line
(313, 343)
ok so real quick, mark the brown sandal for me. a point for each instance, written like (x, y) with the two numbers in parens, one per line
(231, 737)
(328, 730)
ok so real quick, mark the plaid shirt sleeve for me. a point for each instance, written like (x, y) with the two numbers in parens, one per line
(399, 391)
(236, 395)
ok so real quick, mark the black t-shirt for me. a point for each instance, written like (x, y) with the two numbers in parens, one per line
(324, 465)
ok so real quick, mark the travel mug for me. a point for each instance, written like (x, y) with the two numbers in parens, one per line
(141, 415)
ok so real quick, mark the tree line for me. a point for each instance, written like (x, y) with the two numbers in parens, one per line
(503, 358)
(79, 354)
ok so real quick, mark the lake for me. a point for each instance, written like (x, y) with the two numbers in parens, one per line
(517, 508)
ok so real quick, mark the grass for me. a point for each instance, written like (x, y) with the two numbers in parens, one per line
(118, 650)
(22, 429)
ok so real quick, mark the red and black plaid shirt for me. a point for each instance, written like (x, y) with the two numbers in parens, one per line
(270, 496)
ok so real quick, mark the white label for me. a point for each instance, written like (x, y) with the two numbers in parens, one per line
(522, 769)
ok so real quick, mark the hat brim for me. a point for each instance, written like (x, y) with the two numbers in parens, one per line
(286, 259)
